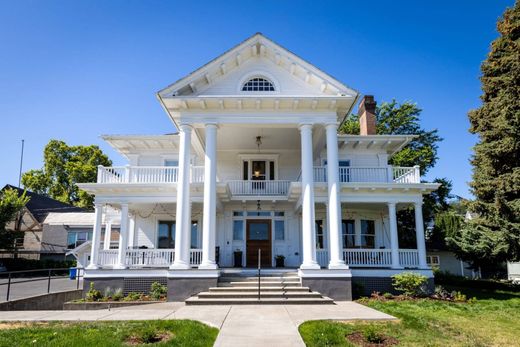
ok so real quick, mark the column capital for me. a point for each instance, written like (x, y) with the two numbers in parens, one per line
(391, 203)
(418, 204)
(305, 126)
(185, 127)
(331, 125)
(213, 125)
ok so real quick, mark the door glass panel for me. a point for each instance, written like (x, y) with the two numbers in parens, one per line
(259, 231)
(169, 162)
(258, 171)
(194, 234)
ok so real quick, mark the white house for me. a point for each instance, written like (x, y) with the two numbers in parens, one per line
(257, 163)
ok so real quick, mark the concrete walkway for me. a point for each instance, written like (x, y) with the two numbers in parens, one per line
(240, 325)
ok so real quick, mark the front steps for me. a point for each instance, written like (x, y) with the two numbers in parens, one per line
(275, 288)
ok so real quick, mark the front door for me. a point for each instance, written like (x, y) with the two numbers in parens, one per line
(258, 237)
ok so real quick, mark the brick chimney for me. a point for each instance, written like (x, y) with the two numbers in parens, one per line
(367, 115)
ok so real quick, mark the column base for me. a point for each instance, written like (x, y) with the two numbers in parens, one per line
(180, 265)
(120, 266)
(92, 267)
(335, 284)
(338, 266)
(310, 266)
(208, 266)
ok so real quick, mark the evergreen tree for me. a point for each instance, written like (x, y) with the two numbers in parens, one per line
(494, 235)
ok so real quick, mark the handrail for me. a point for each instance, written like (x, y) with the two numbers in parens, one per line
(259, 269)
(45, 278)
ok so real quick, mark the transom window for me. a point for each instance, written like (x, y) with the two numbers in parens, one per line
(258, 84)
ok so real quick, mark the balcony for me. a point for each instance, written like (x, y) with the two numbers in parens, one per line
(390, 174)
(146, 174)
(259, 188)
(366, 258)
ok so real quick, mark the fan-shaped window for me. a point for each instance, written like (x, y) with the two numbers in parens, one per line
(258, 84)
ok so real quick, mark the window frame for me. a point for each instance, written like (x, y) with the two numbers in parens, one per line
(261, 82)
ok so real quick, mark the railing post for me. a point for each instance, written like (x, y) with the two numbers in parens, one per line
(49, 282)
(127, 173)
(390, 173)
(99, 173)
(8, 287)
(417, 174)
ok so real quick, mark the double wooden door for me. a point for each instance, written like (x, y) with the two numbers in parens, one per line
(258, 237)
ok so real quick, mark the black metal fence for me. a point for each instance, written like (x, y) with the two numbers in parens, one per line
(12, 278)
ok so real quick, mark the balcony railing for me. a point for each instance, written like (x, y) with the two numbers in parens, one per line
(137, 258)
(259, 188)
(146, 174)
(381, 258)
(390, 174)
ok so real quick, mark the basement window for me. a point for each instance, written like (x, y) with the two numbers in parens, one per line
(258, 84)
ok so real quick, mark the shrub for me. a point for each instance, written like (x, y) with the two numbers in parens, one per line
(372, 335)
(411, 284)
(132, 296)
(388, 295)
(93, 294)
(118, 295)
(107, 293)
(157, 291)
(458, 296)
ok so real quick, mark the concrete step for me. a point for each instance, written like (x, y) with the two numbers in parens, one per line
(262, 289)
(255, 284)
(253, 301)
(253, 295)
(255, 279)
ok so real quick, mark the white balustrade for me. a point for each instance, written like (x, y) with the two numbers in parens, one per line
(322, 257)
(145, 174)
(367, 257)
(147, 257)
(408, 258)
(371, 174)
(259, 188)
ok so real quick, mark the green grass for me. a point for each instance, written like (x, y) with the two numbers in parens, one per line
(493, 320)
(100, 334)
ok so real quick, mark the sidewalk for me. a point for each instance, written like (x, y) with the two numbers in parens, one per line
(251, 325)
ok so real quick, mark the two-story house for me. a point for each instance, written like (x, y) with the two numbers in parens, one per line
(258, 173)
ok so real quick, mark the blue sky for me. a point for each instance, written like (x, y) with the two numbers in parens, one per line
(74, 70)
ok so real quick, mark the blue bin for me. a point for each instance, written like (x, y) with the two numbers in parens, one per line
(72, 273)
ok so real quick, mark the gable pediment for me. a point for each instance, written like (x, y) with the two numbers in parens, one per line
(262, 57)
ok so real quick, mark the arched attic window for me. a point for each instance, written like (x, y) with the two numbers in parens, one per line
(258, 84)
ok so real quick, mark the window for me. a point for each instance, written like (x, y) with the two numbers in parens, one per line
(238, 230)
(194, 234)
(166, 237)
(238, 213)
(258, 213)
(77, 237)
(348, 231)
(368, 234)
(433, 260)
(258, 84)
(279, 230)
(319, 235)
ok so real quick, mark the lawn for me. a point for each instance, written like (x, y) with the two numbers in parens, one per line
(99, 334)
(492, 320)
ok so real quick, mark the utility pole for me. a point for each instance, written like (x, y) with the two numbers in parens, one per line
(21, 163)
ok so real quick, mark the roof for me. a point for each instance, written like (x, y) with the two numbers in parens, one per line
(391, 143)
(131, 144)
(40, 205)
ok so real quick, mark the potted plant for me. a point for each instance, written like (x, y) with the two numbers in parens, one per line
(280, 260)
(238, 258)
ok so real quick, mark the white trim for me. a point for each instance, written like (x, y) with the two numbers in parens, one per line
(258, 74)
(324, 273)
(193, 273)
(115, 273)
(388, 272)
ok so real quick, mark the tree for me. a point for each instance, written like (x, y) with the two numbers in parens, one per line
(64, 167)
(494, 235)
(10, 204)
(402, 119)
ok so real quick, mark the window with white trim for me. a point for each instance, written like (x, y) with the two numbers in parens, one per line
(368, 233)
(258, 84)
(433, 260)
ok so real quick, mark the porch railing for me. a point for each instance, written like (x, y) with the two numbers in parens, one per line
(259, 188)
(147, 257)
(146, 174)
(388, 174)
(356, 257)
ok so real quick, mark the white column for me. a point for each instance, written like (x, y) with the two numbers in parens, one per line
(209, 225)
(123, 238)
(419, 235)
(308, 218)
(108, 232)
(131, 231)
(394, 240)
(183, 213)
(96, 237)
(334, 205)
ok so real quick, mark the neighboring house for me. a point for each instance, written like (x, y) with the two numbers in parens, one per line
(258, 165)
(513, 272)
(37, 243)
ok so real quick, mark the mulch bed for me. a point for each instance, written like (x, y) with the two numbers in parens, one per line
(359, 339)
